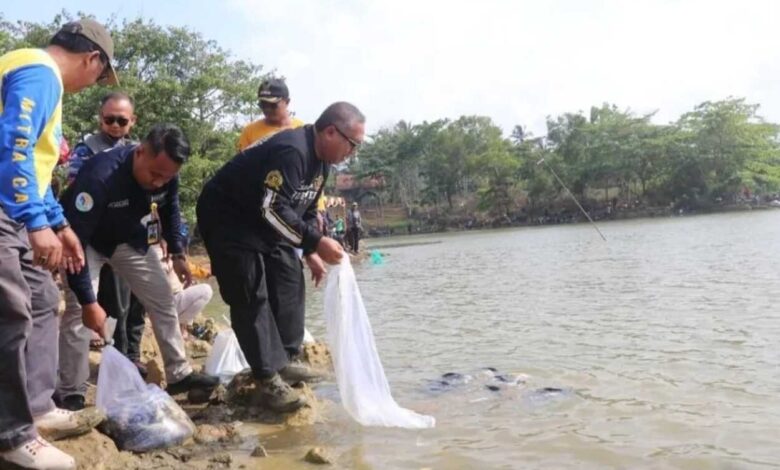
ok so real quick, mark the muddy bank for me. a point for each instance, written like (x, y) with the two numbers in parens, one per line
(231, 426)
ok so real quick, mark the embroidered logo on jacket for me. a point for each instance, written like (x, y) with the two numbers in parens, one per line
(274, 180)
(84, 202)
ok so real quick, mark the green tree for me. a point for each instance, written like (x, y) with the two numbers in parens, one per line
(734, 148)
(536, 180)
(567, 137)
(491, 163)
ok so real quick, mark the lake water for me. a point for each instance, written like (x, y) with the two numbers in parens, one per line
(665, 340)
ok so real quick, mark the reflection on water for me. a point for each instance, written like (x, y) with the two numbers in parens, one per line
(666, 337)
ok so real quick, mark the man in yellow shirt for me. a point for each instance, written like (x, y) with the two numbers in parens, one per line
(274, 101)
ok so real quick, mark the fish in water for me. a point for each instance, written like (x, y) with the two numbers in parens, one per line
(488, 378)
(544, 395)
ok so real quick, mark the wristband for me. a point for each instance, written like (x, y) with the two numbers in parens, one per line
(61, 227)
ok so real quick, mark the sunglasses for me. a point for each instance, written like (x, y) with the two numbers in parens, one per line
(268, 105)
(352, 142)
(110, 120)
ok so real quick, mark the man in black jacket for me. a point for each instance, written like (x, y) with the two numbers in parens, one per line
(253, 212)
(121, 203)
(116, 118)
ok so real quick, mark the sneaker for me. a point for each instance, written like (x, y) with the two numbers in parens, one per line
(194, 380)
(38, 454)
(277, 395)
(73, 403)
(59, 423)
(296, 371)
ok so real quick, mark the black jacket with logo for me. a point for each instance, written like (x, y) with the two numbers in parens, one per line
(267, 194)
(105, 207)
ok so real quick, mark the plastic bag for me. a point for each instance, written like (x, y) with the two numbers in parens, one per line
(139, 416)
(226, 358)
(307, 337)
(363, 386)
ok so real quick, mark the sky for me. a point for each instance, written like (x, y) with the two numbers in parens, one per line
(515, 61)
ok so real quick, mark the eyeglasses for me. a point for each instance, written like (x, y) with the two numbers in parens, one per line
(110, 120)
(352, 142)
(268, 105)
(106, 67)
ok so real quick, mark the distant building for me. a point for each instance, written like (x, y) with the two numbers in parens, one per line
(349, 187)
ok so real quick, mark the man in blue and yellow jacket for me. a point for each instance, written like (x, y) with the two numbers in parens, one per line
(35, 237)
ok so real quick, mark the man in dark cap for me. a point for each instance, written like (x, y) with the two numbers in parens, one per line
(35, 237)
(274, 100)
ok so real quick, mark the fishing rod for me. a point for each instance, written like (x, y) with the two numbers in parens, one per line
(572, 196)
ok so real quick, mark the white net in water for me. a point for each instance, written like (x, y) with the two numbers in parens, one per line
(363, 386)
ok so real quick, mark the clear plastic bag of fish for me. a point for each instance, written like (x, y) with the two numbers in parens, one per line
(363, 387)
(226, 358)
(139, 416)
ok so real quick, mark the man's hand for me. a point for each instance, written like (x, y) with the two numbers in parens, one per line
(47, 248)
(182, 269)
(72, 253)
(330, 250)
(94, 317)
(317, 267)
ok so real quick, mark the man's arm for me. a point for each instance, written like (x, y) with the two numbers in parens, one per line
(54, 211)
(30, 96)
(170, 216)
(84, 207)
(310, 216)
(285, 174)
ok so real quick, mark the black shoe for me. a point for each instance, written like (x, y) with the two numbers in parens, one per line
(73, 403)
(194, 380)
(296, 371)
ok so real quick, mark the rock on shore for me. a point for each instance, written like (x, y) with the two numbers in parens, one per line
(218, 421)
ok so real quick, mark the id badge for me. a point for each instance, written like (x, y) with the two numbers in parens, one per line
(153, 232)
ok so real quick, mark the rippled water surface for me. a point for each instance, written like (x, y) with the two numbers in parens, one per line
(667, 338)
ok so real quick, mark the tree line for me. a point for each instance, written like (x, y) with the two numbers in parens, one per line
(719, 151)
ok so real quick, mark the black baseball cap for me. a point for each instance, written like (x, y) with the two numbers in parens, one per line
(273, 91)
(98, 35)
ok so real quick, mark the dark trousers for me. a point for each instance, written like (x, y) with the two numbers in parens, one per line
(28, 336)
(118, 301)
(265, 292)
(353, 239)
